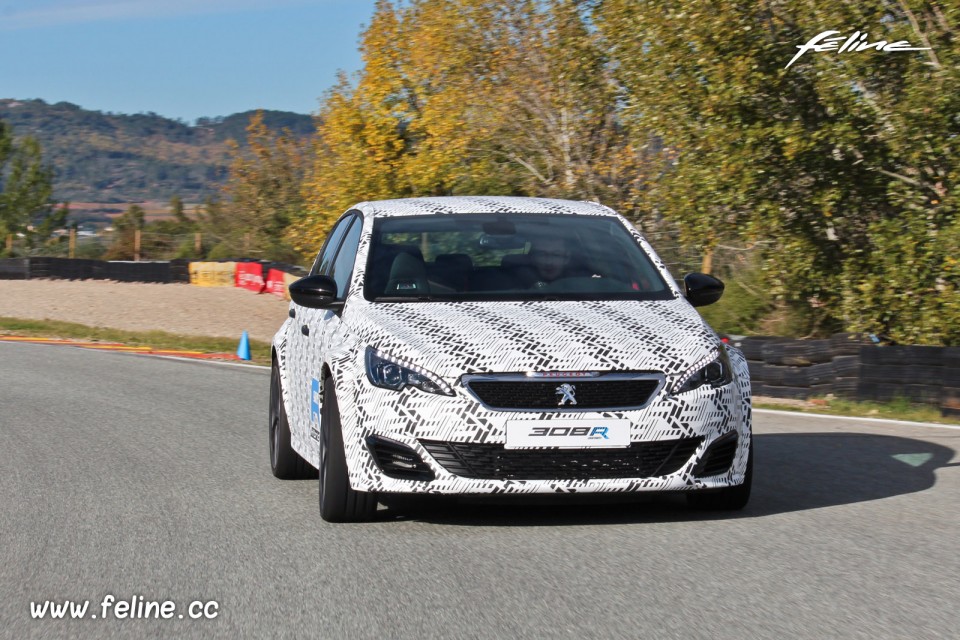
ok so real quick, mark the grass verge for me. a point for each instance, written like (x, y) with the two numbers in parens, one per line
(896, 409)
(259, 351)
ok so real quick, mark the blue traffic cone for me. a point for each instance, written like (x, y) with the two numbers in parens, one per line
(243, 351)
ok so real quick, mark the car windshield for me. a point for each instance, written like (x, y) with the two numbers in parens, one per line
(508, 257)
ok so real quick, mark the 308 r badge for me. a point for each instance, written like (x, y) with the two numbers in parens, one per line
(567, 434)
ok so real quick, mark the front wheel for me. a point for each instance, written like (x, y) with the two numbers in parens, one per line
(338, 501)
(728, 498)
(285, 463)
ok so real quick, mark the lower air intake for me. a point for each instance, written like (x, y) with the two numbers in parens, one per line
(718, 457)
(493, 462)
(397, 460)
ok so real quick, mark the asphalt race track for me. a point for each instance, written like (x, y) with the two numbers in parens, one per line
(139, 476)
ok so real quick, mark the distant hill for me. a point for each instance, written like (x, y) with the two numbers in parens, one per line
(114, 158)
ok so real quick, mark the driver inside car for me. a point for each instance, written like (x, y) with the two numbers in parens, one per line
(550, 257)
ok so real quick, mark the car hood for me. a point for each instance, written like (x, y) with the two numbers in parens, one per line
(452, 339)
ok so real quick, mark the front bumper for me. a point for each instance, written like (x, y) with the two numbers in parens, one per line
(685, 426)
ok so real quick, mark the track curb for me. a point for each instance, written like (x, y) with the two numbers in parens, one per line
(115, 346)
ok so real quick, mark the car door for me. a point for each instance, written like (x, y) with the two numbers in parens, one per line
(303, 369)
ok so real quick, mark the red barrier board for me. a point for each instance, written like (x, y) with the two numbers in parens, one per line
(249, 275)
(275, 283)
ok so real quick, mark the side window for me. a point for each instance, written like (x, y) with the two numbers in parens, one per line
(325, 257)
(343, 264)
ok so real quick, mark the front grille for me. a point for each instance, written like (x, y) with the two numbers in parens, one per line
(493, 462)
(520, 393)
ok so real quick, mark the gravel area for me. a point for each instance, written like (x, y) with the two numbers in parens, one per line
(176, 308)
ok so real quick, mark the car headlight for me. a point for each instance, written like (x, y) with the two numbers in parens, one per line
(394, 373)
(713, 370)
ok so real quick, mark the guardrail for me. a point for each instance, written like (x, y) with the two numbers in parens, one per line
(852, 366)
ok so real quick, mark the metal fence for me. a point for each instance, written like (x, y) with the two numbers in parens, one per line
(127, 245)
(148, 245)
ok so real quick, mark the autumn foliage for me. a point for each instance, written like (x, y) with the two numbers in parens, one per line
(840, 172)
(472, 96)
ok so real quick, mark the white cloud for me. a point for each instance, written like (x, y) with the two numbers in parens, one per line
(26, 14)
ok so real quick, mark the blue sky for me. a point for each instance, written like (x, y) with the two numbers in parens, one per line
(179, 58)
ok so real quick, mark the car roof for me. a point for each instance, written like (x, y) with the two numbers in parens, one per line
(447, 205)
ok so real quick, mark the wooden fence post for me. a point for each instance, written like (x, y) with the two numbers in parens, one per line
(73, 244)
(707, 265)
(136, 245)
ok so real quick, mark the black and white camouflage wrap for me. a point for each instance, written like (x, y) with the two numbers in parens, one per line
(452, 339)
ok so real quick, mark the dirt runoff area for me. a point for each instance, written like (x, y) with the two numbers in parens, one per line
(220, 312)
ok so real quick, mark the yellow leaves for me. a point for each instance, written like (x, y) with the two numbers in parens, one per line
(473, 95)
(403, 129)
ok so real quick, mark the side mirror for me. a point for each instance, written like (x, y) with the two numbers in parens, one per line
(702, 289)
(315, 292)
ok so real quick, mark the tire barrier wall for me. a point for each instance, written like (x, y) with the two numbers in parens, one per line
(138, 272)
(246, 274)
(67, 269)
(180, 270)
(852, 366)
(278, 281)
(213, 274)
(275, 283)
(249, 276)
(14, 269)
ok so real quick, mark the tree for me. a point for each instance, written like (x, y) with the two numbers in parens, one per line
(360, 138)
(179, 216)
(825, 161)
(262, 195)
(26, 189)
(554, 115)
(528, 108)
(125, 227)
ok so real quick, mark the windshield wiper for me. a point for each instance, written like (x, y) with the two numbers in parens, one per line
(407, 299)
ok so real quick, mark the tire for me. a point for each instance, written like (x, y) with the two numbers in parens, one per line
(285, 463)
(795, 353)
(848, 344)
(773, 352)
(846, 387)
(821, 390)
(796, 377)
(846, 367)
(819, 351)
(819, 374)
(926, 375)
(790, 393)
(752, 347)
(338, 501)
(728, 498)
(774, 375)
(918, 355)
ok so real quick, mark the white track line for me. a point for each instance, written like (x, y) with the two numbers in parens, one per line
(242, 365)
(203, 360)
(801, 414)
